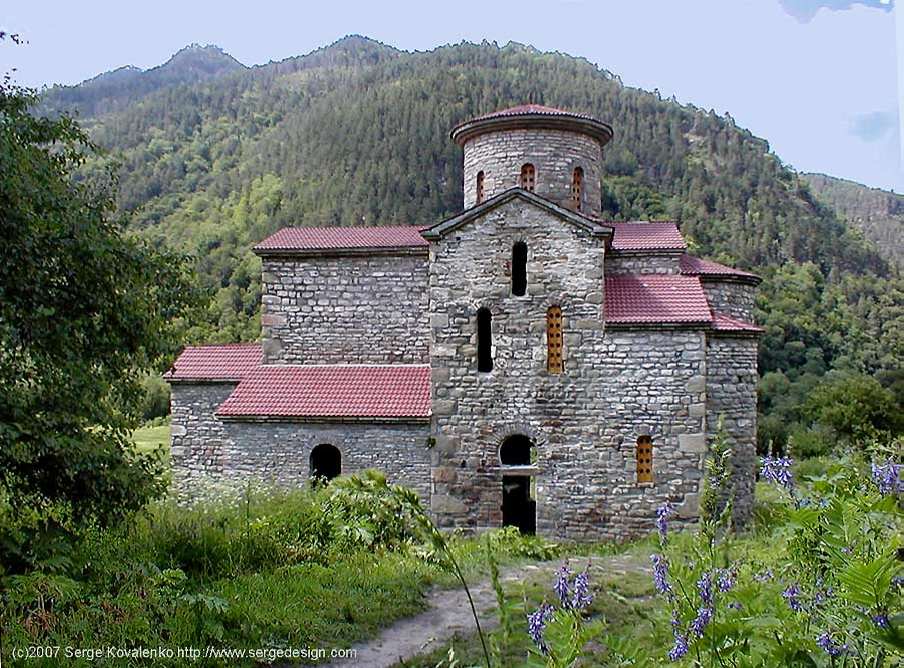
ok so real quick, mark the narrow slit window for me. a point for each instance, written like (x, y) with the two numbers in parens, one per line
(577, 184)
(519, 269)
(479, 187)
(554, 350)
(528, 176)
(484, 340)
(644, 459)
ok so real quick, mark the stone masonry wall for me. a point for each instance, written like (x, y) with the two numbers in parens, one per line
(731, 396)
(345, 310)
(212, 458)
(279, 454)
(198, 437)
(730, 298)
(616, 386)
(642, 263)
(553, 153)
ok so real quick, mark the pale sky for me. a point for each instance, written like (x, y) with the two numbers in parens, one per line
(817, 78)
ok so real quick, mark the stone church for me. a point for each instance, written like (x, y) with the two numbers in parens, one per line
(523, 363)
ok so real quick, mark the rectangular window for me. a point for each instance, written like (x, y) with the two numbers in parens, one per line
(554, 350)
(644, 459)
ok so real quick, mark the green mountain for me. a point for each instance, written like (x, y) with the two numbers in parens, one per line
(125, 86)
(878, 214)
(357, 133)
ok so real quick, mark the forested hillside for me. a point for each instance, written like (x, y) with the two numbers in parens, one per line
(357, 133)
(879, 214)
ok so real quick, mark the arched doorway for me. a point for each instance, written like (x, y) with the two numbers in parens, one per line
(519, 505)
(326, 463)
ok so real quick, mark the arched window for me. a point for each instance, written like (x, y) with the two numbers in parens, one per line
(554, 358)
(528, 176)
(644, 459)
(484, 340)
(519, 269)
(577, 183)
(479, 187)
(516, 450)
(326, 463)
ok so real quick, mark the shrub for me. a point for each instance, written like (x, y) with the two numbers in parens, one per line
(156, 400)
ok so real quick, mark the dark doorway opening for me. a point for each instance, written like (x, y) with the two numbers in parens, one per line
(326, 463)
(518, 508)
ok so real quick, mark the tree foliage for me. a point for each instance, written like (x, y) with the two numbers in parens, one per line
(85, 310)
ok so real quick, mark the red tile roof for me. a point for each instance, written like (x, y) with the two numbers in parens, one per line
(230, 361)
(655, 299)
(337, 238)
(722, 323)
(640, 235)
(695, 266)
(335, 391)
(524, 109)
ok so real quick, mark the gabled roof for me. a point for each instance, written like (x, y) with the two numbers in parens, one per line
(695, 266)
(292, 240)
(661, 299)
(642, 235)
(225, 362)
(724, 323)
(441, 229)
(388, 392)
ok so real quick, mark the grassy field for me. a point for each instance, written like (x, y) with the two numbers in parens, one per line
(150, 438)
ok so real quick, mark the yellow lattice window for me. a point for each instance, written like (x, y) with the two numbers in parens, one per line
(644, 459)
(479, 187)
(577, 183)
(554, 351)
(528, 176)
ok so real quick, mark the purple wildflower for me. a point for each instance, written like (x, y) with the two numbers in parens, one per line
(702, 620)
(561, 586)
(705, 588)
(822, 595)
(581, 596)
(536, 622)
(765, 576)
(735, 605)
(898, 581)
(792, 596)
(661, 574)
(888, 478)
(680, 648)
(881, 620)
(825, 641)
(778, 471)
(662, 516)
(726, 581)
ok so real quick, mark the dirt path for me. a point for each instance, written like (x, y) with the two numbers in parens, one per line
(448, 612)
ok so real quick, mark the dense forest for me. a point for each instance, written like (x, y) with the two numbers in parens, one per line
(879, 214)
(214, 158)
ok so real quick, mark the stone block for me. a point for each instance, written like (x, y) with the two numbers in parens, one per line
(692, 442)
(696, 384)
(690, 508)
(445, 504)
(444, 474)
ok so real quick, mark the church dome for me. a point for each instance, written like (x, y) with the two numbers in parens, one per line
(554, 153)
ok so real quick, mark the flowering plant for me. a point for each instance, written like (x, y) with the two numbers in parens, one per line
(558, 629)
(825, 591)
